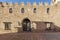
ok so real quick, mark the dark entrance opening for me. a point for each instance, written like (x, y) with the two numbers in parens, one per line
(26, 25)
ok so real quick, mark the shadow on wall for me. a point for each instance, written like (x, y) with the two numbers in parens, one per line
(56, 28)
(53, 28)
(46, 26)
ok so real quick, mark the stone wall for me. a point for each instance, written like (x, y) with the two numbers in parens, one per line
(41, 15)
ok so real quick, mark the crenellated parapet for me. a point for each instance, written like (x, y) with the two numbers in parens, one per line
(22, 4)
(10, 4)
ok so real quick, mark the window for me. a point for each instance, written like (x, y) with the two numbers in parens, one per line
(34, 10)
(47, 10)
(10, 10)
(48, 25)
(7, 25)
(22, 10)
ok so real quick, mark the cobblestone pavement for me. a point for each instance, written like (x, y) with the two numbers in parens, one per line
(30, 36)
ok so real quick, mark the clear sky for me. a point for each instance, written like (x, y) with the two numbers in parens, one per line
(25, 1)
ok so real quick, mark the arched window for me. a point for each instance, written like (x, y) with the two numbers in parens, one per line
(10, 10)
(48, 10)
(22, 10)
(34, 10)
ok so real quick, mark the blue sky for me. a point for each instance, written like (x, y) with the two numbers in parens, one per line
(25, 1)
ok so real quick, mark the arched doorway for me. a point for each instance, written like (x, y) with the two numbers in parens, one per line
(26, 25)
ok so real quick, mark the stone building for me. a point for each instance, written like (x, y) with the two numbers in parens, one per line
(34, 18)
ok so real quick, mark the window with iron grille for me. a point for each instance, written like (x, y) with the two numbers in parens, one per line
(7, 25)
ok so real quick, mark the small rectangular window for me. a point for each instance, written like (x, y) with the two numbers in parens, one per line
(7, 25)
(10, 10)
(48, 10)
(48, 25)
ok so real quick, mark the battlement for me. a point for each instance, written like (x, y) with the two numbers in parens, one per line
(23, 4)
(53, 2)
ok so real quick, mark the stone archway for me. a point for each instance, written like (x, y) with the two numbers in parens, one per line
(26, 24)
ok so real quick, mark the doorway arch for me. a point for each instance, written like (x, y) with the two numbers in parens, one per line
(26, 24)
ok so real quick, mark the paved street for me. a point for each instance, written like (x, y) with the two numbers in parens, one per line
(30, 36)
(51, 36)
